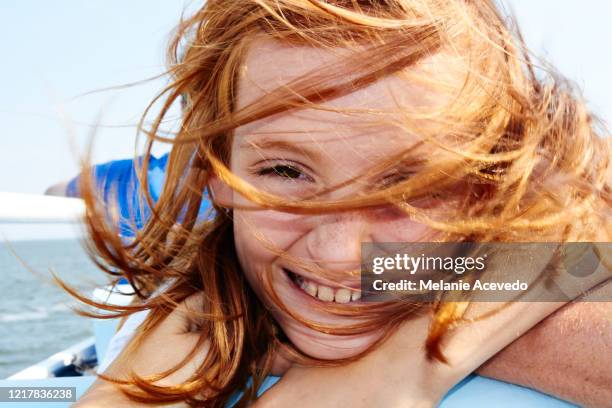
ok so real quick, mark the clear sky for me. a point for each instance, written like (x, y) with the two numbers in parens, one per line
(55, 50)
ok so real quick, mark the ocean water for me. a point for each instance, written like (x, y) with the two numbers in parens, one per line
(36, 319)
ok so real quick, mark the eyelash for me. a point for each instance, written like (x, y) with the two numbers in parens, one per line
(283, 171)
(395, 178)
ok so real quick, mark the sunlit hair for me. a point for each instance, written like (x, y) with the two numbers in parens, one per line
(531, 163)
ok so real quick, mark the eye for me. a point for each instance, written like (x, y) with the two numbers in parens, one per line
(285, 171)
(395, 178)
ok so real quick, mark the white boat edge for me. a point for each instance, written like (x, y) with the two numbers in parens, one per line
(37, 208)
(77, 355)
(85, 355)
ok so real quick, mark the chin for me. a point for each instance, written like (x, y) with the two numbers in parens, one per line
(325, 346)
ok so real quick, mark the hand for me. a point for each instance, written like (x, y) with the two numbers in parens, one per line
(58, 189)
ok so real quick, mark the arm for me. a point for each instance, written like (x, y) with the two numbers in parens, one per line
(568, 355)
(152, 356)
(108, 177)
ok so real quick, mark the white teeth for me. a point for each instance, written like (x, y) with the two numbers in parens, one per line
(343, 296)
(325, 293)
(311, 289)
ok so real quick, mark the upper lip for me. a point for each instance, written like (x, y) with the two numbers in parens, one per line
(344, 284)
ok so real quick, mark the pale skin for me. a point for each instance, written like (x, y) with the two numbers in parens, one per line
(327, 150)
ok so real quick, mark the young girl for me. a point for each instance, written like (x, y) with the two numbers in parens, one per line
(316, 126)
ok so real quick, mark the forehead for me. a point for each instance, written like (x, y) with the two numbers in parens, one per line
(270, 64)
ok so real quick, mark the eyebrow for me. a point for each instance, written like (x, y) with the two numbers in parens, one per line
(281, 145)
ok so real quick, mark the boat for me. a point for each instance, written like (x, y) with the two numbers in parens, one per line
(75, 367)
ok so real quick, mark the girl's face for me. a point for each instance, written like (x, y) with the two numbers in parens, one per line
(298, 153)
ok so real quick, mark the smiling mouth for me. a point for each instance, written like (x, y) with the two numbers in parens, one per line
(322, 292)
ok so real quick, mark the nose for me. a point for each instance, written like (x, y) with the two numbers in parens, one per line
(335, 242)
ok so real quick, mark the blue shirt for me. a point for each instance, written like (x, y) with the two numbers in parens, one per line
(119, 188)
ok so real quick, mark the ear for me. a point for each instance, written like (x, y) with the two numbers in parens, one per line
(222, 194)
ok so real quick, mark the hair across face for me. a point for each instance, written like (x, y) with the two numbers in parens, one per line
(310, 152)
(324, 124)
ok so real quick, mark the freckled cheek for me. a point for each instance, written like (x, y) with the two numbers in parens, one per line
(399, 230)
(279, 228)
(255, 231)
